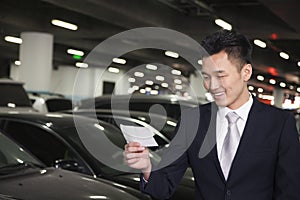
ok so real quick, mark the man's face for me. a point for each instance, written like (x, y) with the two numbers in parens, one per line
(225, 81)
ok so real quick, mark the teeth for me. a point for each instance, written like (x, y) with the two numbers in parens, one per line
(219, 94)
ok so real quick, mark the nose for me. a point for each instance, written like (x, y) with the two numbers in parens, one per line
(214, 83)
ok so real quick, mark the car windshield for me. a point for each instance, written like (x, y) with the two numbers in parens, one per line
(12, 154)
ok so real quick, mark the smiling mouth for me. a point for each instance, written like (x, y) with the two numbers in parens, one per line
(218, 94)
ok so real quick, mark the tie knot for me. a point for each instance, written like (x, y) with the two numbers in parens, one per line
(232, 117)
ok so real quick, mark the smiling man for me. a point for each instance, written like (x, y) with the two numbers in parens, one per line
(256, 152)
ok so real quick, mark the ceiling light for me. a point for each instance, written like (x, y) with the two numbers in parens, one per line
(148, 89)
(250, 88)
(63, 24)
(148, 82)
(143, 91)
(260, 77)
(260, 90)
(176, 72)
(282, 84)
(165, 85)
(160, 78)
(284, 55)
(113, 70)
(81, 65)
(17, 62)
(177, 81)
(172, 54)
(272, 81)
(13, 39)
(131, 80)
(151, 67)
(223, 24)
(178, 87)
(291, 87)
(200, 62)
(154, 92)
(139, 74)
(254, 94)
(135, 87)
(298, 89)
(298, 63)
(260, 43)
(119, 61)
(75, 52)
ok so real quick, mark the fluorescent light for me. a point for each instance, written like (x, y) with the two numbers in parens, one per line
(250, 88)
(135, 87)
(260, 43)
(113, 70)
(284, 55)
(131, 80)
(17, 62)
(63, 24)
(282, 84)
(176, 72)
(143, 91)
(172, 54)
(223, 24)
(200, 62)
(119, 61)
(171, 123)
(139, 74)
(75, 52)
(151, 67)
(160, 78)
(272, 81)
(148, 82)
(81, 65)
(260, 77)
(260, 90)
(154, 92)
(13, 39)
(177, 81)
(148, 89)
(165, 85)
(178, 87)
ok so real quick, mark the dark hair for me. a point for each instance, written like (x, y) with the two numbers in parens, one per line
(236, 45)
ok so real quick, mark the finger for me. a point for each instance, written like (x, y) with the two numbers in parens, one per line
(135, 149)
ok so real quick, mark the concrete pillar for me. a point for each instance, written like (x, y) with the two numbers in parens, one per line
(89, 82)
(278, 97)
(36, 55)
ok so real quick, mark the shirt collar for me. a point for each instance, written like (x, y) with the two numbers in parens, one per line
(242, 111)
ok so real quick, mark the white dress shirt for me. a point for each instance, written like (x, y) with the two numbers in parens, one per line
(222, 124)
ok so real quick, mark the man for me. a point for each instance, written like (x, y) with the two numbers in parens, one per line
(256, 155)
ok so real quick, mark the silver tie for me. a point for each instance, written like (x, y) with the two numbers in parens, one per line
(230, 144)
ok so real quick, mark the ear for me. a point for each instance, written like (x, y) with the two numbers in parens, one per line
(247, 72)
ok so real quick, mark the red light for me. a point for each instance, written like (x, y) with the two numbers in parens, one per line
(272, 71)
(274, 36)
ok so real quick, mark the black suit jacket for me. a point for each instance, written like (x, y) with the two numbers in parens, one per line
(266, 165)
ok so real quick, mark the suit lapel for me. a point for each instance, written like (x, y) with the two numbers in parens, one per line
(249, 129)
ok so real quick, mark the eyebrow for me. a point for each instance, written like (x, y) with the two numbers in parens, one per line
(215, 72)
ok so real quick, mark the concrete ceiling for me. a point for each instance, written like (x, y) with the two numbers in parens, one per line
(274, 21)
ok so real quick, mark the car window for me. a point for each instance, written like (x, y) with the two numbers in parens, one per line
(11, 153)
(44, 145)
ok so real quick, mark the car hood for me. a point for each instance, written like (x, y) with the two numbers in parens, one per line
(185, 189)
(56, 184)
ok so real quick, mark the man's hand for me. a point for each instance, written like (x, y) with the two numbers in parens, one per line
(137, 157)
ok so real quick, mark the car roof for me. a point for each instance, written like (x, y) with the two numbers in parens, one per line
(172, 99)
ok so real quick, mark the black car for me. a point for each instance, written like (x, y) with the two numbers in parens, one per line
(169, 105)
(59, 140)
(22, 176)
